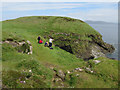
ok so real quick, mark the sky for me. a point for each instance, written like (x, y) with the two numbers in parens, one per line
(60, 0)
(95, 11)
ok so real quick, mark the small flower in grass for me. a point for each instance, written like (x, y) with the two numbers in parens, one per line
(30, 70)
(22, 82)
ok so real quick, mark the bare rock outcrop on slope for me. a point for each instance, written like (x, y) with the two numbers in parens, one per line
(85, 47)
(22, 46)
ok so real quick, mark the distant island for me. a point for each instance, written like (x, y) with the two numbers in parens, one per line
(98, 22)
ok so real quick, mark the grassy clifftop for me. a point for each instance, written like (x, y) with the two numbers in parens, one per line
(72, 35)
(47, 23)
(55, 68)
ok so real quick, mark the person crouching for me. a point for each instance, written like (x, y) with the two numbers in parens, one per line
(46, 44)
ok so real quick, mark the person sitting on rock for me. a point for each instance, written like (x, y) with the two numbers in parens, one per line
(46, 44)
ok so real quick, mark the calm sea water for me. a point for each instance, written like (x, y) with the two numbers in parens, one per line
(110, 35)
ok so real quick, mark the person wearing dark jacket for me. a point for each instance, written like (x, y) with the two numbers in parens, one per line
(38, 39)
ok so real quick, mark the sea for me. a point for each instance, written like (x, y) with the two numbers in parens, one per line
(109, 31)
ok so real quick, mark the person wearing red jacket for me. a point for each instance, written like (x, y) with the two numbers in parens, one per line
(40, 42)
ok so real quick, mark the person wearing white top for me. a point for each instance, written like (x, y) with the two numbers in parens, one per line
(50, 42)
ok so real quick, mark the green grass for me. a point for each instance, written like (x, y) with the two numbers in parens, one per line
(107, 70)
(42, 59)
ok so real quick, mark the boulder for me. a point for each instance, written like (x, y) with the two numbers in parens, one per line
(61, 74)
(77, 75)
(89, 70)
(6, 41)
(79, 69)
(21, 43)
(30, 50)
(29, 42)
(57, 80)
(96, 61)
(68, 71)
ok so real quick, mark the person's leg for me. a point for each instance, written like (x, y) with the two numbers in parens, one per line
(50, 44)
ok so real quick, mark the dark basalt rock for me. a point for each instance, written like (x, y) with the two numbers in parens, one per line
(9, 39)
(67, 48)
(91, 57)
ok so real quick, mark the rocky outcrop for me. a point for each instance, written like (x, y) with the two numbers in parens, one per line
(97, 39)
(96, 61)
(86, 47)
(79, 69)
(96, 51)
(88, 70)
(22, 46)
(61, 74)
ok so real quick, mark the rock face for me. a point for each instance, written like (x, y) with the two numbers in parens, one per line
(23, 46)
(96, 52)
(83, 46)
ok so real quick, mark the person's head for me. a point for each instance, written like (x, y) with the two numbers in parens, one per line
(51, 37)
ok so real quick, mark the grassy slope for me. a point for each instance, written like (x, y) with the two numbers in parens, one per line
(43, 58)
